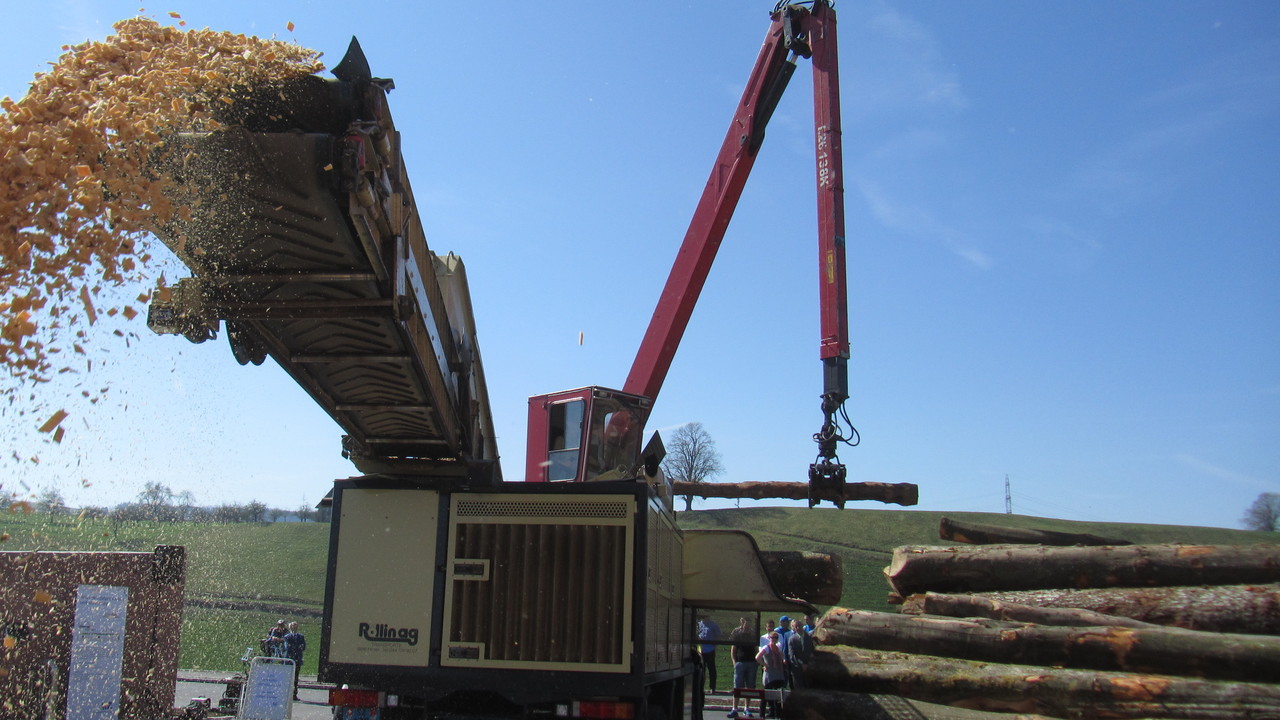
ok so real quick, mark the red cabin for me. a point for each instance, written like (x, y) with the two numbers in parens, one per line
(591, 433)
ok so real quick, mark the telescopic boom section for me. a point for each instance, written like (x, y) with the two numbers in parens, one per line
(803, 32)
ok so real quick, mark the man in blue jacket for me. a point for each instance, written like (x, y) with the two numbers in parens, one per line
(295, 644)
(709, 632)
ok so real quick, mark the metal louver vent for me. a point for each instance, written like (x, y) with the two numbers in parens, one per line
(498, 508)
(540, 583)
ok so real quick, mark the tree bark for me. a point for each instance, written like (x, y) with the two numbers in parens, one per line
(917, 569)
(978, 534)
(1170, 651)
(898, 494)
(1071, 694)
(1253, 609)
(978, 606)
(813, 577)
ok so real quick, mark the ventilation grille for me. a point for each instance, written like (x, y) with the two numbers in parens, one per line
(555, 593)
(518, 508)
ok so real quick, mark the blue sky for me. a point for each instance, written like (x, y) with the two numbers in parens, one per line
(1062, 225)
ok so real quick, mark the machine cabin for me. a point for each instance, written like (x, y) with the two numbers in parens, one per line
(590, 433)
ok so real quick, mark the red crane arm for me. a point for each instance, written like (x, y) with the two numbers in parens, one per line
(706, 230)
(803, 32)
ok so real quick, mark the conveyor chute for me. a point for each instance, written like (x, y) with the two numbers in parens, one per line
(307, 244)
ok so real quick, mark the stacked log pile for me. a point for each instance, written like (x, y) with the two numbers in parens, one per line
(1078, 631)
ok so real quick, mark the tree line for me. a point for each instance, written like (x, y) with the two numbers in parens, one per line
(158, 503)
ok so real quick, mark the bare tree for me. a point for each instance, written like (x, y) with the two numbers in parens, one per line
(305, 512)
(50, 501)
(1264, 513)
(255, 512)
(186, 504)
(155, 495)
(691, 457)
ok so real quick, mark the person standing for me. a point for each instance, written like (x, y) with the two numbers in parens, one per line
(743, 652)
(799, 653)
(768, 628)
(295, 644)
(784, 632)
(709, 632)
(273, 646)
(774, 661)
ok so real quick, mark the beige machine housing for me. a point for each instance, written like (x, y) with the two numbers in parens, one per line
(436, 586)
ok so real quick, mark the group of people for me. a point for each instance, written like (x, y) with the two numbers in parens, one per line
(783, 650)
(284, 641)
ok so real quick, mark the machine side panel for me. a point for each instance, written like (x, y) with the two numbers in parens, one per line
(664, 631)
(384, 577)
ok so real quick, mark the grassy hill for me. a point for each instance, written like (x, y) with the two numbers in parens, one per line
(242, 577)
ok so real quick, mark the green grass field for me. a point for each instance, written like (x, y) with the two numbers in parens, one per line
(253, 574)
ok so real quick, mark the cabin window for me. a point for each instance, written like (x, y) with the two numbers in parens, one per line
(565, 439)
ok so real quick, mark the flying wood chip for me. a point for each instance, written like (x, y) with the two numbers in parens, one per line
(42, 596)
(88, 304)
(290, 26)
(53, 421)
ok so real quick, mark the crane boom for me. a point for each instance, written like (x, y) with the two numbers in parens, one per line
(794, 31)
(719, 199)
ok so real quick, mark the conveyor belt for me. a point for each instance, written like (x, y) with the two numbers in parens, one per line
(308, 246)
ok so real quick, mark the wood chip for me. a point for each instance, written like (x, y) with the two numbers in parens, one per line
(88, 304)
(53, 421)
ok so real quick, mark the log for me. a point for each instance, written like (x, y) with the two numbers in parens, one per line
(965, 569)
(896, 493)
(1071, 694)
(837, 705)
(979, 534)
(813, 577)
(1168, 651)
(978, 606)
(1253, 609)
